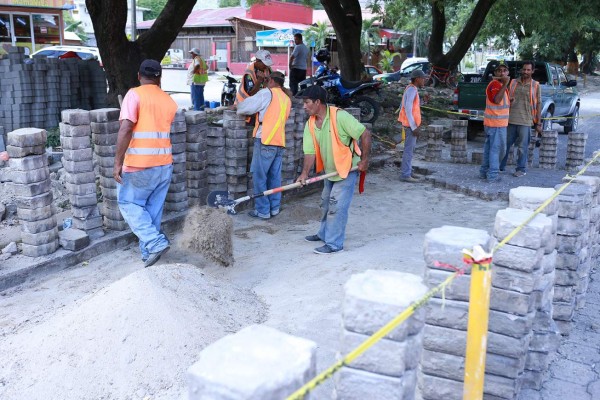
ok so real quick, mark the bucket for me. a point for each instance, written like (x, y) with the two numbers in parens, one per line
(214, 104)
(207, 104)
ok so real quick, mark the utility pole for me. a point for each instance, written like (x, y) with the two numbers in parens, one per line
(415, 42)
(133, 21)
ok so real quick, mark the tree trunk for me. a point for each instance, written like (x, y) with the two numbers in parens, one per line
(346, 18)
(121, 57)
(465, 39)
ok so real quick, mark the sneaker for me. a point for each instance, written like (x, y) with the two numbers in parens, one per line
(275, 212)
(496, 179)
(326, 249)
(154, 257)
(409, 179)
(312, 238)
(255, 214)
(482, 176)
(518, 174)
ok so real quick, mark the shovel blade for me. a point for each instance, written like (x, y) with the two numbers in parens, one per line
(220, 199)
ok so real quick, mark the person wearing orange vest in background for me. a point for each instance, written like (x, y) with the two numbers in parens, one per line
(143, 160)
(272, 106)
(495, 121)
(197, 78)
(331, 138)
(525, 110)
(410, 118)
(256, 76)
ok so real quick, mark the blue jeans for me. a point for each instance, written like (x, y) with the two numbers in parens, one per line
(141, 197)
(198, 97)
(266, 174)
(335, 202)
(493, 151)
(410, 142)
(519, 135)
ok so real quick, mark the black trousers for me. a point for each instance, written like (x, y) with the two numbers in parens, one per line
(296, 76)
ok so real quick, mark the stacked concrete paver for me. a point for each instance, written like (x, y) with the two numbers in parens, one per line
(435, 143)
(79, 166)
(389, 368)
(575, 149)
(299, 123)
(105, 130)
(237, 160)
(196, 158)
(31, 183)
(215, 156)
(549, 149)
(458, 148)
(177, 196)
(288, 166)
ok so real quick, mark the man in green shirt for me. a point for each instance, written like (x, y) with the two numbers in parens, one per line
(331, 138)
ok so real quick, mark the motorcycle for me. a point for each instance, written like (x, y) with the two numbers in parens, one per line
(345, 93)
(229, 89)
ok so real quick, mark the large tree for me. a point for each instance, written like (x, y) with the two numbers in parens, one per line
(122, 57)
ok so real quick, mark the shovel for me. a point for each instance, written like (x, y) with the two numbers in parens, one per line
(220, 198)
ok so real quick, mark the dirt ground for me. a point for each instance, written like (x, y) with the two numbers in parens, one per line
(108, 328)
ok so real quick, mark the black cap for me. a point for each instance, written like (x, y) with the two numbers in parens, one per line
(315, 92)
(278, 77)
(150, 68)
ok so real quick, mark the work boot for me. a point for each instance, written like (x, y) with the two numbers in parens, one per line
(410, 179)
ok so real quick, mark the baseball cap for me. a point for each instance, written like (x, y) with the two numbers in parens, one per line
(417, 73)
(265, 57)
(150, 68)
(315, 92)
(501, 64)
(278, 77)
(195, 50)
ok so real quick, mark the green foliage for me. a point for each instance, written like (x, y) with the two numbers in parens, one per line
(155, 6)
(74, 26)
(229, 3)
(369, 36)
(317, 34)
(469, 64)
(53, 137)
(387, 60)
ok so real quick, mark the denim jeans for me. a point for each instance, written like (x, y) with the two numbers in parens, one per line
(410, 142)
(519, 135)
(141, 197)
(198, 97)
(335, 202)
(266, 174)
(493, 150)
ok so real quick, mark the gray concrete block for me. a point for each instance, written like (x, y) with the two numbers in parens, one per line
(534, 235)
(75, 167)
(10, 249)
(17, 152)
(195, 117)
(445, 244)
(31, 176)
(88, 223)
(35, 214)
(75, 143)
(227, 370)
(354, 384)
(41, 238)
(73, 239)
(178, 148)
(101, 139)
(178, 137)
(34, 202)
(436, 388)
(105, 151)
(81, 189)
(80, 178)
(41, 250)
(83, 201)
(43, 225)
(76, 117)
(85, 212)
(31, 189)
(105, 128)
(105, 114)
(530, 198)
(518, 258)
(548, 262)
(27, 137)
(518, 281)
(386, 357)
(177, 206)
(115, 225)
(28, 163)
(74, 131)
(78, 155)
(572, 227)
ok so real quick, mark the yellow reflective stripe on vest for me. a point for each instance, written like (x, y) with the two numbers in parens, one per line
(280, 118)
(151, 135)
(152, 151)
(499, 107)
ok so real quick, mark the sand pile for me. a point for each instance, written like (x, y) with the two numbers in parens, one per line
(131, 340)
(208, 231)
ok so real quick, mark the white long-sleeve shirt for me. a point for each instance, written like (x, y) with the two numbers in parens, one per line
(408, 99)
(256, 104)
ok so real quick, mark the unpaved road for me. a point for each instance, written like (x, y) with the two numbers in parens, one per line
(280, 281)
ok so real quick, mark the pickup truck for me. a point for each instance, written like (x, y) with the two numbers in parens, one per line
(559, 96)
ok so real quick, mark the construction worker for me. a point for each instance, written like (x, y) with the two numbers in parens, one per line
(197, 77)
(272, 106)
(331, 138)
(143, 160)
(525, 99)
(495, 121)
(410, 118)
(256, 75)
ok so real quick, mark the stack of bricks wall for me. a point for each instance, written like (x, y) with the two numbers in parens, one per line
(546, 337)
(53, 91)
(105, 129)
(510, 318)
(31, 182)
(235, 168)
(73, 77)
(84, 85)
(549, 149)
(250, 153)
(435, 143)
(65, 82)
(17, 90)
(215, 156)
(195, 162)
(389, 368)
(575, 150)
(288, 167)
(97, 84)
(299, 123)
(573, 260)
(177, 196)
(531, 148)
(593, 183)
(79, 166)
(458, 147)
(477, 157)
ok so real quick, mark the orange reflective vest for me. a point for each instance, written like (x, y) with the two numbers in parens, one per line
(496, 115)
(150, 145)
(533, 96)
(273, 123)
(416, 110)
(242, 94)
(342, 154)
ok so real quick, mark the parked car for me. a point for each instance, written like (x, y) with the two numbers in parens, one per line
(85, 53)
(413, 60)
(371, 70)
(559, 95)
(403, 73)
(173, 57)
